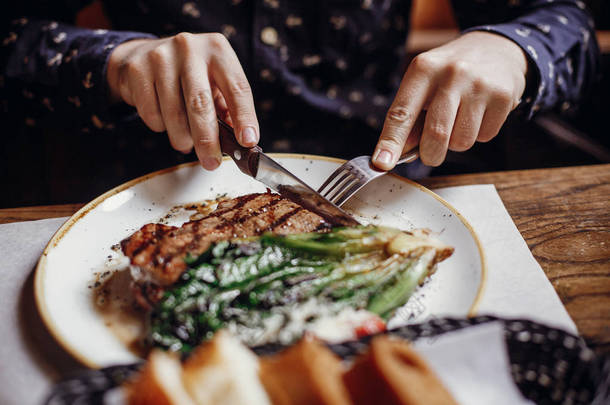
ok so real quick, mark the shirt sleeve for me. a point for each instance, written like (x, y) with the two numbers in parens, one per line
(53, 74)
(558, 38)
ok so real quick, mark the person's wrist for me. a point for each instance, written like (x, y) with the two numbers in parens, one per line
(510, 53)
(516, 53)
(117, 58)
(520, 62)
(503, 46)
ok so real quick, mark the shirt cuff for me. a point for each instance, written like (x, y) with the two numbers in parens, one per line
(96, 90)
(539, 65)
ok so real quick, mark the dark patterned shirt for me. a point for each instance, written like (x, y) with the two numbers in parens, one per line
(343, 57)
(324, 72)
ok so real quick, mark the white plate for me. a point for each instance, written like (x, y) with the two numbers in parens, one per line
(82, 245)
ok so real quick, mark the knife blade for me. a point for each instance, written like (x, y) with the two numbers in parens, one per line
(255, 163)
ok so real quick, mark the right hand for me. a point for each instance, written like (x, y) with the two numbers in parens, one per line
(180, 84)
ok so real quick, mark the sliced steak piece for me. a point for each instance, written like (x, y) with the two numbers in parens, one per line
(158, 251)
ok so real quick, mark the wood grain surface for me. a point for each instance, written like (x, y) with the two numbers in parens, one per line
(39, 212)
(563, 215)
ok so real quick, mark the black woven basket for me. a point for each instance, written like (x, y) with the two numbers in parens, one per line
(550, 366)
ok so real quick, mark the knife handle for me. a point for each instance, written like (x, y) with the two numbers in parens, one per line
(245, 158)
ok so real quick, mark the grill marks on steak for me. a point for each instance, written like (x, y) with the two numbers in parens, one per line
(159, 250)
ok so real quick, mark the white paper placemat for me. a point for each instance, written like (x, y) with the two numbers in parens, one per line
(30, 359)
(516, 287)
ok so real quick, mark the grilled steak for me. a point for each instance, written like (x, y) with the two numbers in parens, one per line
(158, 251)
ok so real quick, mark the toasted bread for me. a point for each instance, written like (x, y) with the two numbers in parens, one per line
(392, 373)
(307, 373)
(159, 382)
(223, 371)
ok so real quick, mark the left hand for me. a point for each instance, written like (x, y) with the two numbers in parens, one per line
(468, 87)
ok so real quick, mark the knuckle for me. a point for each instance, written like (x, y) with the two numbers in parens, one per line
(459, 68)
(201, 102)
(504, 95)
(183, 40)
(240, 87)
(399, 115)
(206, 142)
(131, 68)
(157, 56)
(216, 40)
(425, 62)
(481, 85)
(438, 133)
(463, 126)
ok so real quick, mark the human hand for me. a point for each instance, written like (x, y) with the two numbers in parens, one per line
(467, 87)
(180, 84)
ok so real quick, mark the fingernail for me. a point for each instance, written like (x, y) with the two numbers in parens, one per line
(210, 163)
(248, 136)
(384, 157)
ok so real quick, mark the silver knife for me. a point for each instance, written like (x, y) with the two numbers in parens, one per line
(254, 163)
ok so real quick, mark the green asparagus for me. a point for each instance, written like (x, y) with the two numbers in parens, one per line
(251, 283)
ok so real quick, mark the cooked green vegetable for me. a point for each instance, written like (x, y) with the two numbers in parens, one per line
(252, 286)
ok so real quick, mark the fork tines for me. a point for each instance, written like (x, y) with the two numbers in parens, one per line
(346, 180)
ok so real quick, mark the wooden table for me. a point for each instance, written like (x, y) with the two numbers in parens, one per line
(563, 215)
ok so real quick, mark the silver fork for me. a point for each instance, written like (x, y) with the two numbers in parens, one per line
(355, 174)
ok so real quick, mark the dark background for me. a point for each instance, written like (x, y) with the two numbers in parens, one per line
(51, 167)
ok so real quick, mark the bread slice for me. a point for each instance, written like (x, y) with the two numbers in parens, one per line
(159, 382)
(392, 373)
(307, 373)
(223, 371)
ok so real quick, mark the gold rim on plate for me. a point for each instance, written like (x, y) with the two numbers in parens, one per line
(41, 266)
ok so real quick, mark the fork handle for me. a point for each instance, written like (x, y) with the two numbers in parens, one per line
(409, 157)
